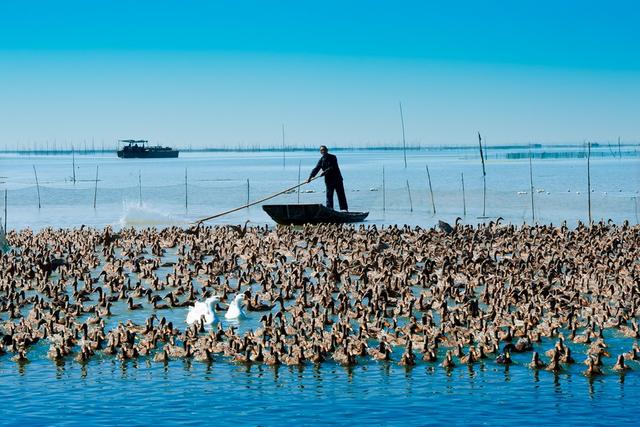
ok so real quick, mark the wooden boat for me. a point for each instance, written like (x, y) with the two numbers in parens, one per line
(138, 149)
(311, 214)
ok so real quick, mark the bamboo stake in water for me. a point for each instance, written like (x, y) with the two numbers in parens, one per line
(410, 202)
(589, 179)
(37, 185)
(533, 211)
(283, 149)
(186, 191)
(73, 163)
(248, 198)
(384, 193)
(5, 210)
(95, 190)
(464, 201)
(404, 143)
(139, 188)
(299, 172)
(433, 203)
(484, 178)
(619, 150)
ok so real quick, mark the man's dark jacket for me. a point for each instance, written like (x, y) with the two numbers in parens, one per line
(329, 165)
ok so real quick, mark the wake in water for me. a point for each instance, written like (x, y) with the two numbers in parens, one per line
(135, 214)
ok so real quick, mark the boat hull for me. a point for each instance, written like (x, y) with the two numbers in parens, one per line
(165, 154)
(311, 214)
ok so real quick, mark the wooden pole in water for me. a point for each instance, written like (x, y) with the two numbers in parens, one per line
(95, 189)
(619, 149)
(464, 202)
(589, 179)
(433, 203)
(139, 187)
(5, 209)
(404, 143)
(299, 172)
(73, 163)
(248, 198)
(410, 202)
(37, 185)
(384, 193)
(283, 149)
(533, 211)
(484, 178)
(186, 191)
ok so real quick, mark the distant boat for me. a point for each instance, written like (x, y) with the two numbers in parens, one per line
(138, 149)
(311, 214)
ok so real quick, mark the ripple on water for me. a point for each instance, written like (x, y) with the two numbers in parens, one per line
(110, 392)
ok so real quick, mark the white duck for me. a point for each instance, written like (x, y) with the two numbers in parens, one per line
(205, 309)
(235, 311)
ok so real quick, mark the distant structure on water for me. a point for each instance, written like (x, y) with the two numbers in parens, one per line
(138, 149)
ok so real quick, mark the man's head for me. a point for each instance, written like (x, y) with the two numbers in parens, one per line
(323, 149)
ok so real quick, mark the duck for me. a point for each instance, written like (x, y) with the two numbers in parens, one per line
(235, 310)
(592, 369)
(203, 310)
(448, 363)
(536, 363)
(620, 366)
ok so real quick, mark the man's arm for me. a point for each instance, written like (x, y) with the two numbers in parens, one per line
(315, 170)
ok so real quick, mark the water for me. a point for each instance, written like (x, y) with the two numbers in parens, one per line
(152, 192)
(107, 391)
(145, 393)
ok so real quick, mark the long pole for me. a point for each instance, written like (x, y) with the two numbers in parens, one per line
(248, 199)
(433, 203)
(299, 172)
(464, 201)
(410, 201)
(73, 163)
(286, 190)
(283, 149)
(589, 179)
(139, 187)
(533, 211)
(95, 190)
(619, 149)
(5, 209)
(384, 192)
(404, 143)
(484, 178)
(186, 191)
(37, 185)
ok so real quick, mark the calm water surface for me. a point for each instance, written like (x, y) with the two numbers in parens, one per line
(107, 392)
(152, 192)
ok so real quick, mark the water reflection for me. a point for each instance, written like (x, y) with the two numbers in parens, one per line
(59, 369)
(472, 372)
(507, 374)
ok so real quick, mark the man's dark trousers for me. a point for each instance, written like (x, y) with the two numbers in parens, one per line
(338, 187)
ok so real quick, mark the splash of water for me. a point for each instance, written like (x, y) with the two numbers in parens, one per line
(137, 215)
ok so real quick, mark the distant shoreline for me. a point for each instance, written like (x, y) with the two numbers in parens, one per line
(521, 150)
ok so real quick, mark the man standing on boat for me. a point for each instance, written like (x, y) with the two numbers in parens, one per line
(332, 178)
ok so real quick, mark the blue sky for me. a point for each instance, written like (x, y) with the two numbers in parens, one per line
(232, 72)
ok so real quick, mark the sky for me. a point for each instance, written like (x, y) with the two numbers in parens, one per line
(232, 73)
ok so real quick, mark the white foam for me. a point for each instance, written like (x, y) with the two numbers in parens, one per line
(135, 214)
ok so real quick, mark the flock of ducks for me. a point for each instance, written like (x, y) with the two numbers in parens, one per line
(457, 295)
